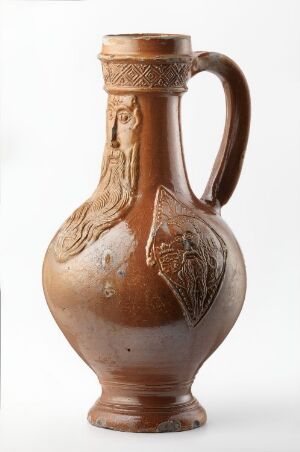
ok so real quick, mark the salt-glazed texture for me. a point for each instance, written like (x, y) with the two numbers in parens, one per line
(144, 279)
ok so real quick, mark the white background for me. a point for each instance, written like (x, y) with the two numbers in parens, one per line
(52, 136)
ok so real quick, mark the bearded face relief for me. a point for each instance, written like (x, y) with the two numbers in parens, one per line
(122, 128)
(189, 254)
(116, 190)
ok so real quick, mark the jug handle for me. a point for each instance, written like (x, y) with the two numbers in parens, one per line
(228, 164)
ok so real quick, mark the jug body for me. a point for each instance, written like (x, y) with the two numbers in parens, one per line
(144, 279)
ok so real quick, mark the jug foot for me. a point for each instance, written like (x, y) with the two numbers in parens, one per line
(156, 419)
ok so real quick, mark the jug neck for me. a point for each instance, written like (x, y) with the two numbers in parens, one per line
(161, 160)
(145, 76)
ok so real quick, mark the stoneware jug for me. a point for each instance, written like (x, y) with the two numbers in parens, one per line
(144, 279)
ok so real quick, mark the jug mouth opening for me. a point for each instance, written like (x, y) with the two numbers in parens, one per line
(143, 45)
(146, 36)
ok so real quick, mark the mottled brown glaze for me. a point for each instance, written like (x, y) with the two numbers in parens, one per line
(144, 279)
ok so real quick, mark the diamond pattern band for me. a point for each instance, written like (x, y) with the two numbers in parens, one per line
(160, 76)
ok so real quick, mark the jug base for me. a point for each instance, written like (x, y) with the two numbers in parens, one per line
(145, 419)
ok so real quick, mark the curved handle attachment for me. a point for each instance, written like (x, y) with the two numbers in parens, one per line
(228, 164)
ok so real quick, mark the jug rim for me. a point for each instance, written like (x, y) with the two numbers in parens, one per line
(143, 45)
(146, 35)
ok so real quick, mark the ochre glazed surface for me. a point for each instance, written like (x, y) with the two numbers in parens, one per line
(144, 279)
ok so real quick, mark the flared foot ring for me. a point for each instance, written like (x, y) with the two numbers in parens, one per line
(144, 419)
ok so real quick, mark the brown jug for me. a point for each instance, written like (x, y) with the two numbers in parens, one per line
(144, 279)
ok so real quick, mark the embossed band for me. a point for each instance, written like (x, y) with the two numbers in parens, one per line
(141, 75)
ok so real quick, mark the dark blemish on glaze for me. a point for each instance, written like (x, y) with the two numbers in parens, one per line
(121, 273)
(109, 291)
(129, 349)
(107, 259)
(196, 424)
(169, 426)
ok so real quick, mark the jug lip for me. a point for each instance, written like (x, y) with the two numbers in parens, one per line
(146, 45)
(146, 35)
